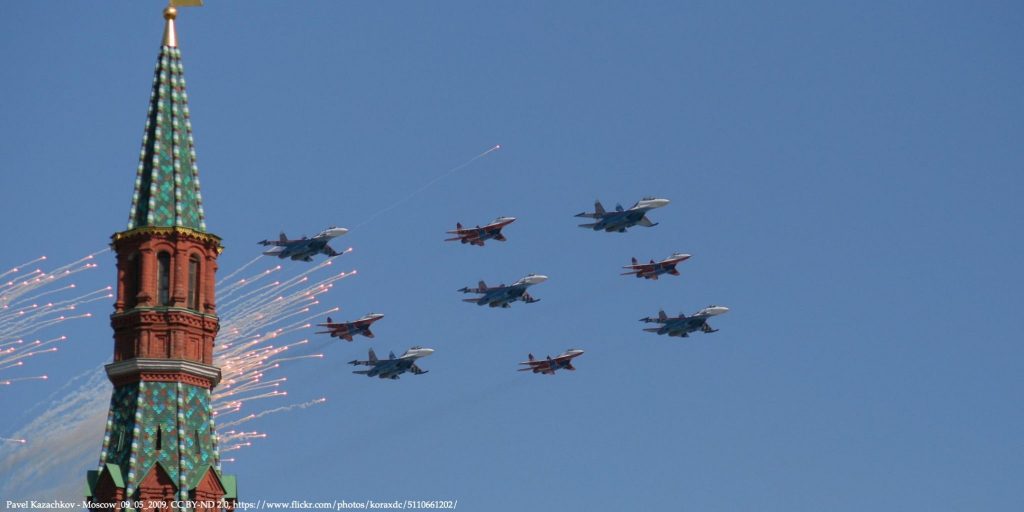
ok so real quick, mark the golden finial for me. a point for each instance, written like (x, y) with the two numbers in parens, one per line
(170, 13)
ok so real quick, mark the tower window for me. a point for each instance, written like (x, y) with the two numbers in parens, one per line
(132, 279)
(193, 282)
(163, 261)
(159, 438)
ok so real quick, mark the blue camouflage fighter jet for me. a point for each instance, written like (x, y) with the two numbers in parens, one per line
(683, 325)
(392, 367)
(502, 295)
(305, 248)
(622, 219)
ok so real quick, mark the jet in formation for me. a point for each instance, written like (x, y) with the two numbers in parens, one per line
(392, 367)
(683, 325)
(304, 248)
(346, 330)
(622, 219)
(503, 295)
(479, 235)
(654, 269)
(552, 364)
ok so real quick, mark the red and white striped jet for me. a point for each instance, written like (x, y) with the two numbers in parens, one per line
(654, 269)
(552, 364)
(478, 235)
(346, 330)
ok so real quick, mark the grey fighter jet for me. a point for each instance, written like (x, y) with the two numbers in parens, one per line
(502, 295)
(304, 248)
(392, 367)
(621, 219)
(683, 325)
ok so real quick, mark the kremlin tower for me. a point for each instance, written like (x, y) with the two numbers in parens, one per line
(160, 445)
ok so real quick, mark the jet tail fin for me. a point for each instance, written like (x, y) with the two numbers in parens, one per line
(662, 315)
(391, 355)
(373, 356)
(282, 237)
(531, 357)
(598, 208)
(482, 285)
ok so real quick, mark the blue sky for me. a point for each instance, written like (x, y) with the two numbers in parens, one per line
(847, 178)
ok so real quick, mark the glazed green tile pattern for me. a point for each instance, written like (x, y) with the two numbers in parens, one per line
(180, 413)
(167, 179)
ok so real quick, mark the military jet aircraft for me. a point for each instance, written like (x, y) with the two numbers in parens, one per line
(392, 367)
(683, 325)
(478, 235)
(346, 330)
(304, 248)
(502, 295)
(654, 269)
(550, 365)
(621, 219)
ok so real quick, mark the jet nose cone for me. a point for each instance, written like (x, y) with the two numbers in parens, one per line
(656, 203)
(336, 232)
(535, 279)
(424, 352)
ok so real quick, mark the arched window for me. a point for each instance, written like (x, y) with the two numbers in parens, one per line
(132, 279)
(193, 282)
(163, 277)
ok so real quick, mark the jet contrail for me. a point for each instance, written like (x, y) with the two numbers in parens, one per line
(437, 178)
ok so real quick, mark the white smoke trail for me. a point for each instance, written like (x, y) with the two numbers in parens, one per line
(63, 440)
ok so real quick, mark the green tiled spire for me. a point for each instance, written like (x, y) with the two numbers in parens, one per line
(167, 182)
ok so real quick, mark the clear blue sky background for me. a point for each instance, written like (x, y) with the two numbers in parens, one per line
(847, 177)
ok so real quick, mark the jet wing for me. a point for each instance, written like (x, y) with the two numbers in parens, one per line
(643, 267)
(645, 222)
(416, 370)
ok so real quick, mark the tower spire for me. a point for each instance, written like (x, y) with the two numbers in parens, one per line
(167, 178)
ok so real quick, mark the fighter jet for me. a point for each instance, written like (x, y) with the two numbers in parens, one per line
(502, 295)
(304, 248)
(621, 219)
(392, 367)
(654, 269)
(683, 325)
(478, 235)
(550, 365)
(346, 330)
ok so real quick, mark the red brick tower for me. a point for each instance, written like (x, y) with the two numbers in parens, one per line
(160, 444)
